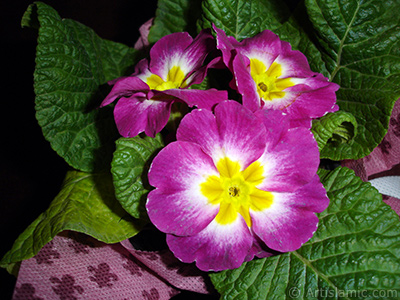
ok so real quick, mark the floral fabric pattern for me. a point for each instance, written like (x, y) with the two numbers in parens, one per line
(103, 271)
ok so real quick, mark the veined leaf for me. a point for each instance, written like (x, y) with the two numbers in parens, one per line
(174, 16)
(72, 65)
(242, 19)
(360, 44)
(87, 204)
(130, 165)
(354, 254)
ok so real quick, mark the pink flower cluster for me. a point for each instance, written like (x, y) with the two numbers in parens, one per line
(240, 181)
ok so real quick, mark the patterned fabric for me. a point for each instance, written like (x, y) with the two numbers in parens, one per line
(75, 266)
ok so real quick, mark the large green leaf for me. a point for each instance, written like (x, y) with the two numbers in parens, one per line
(354, 254)
(360, 44)
(174, 16)
(130, 165)
(241, 18)
(72, 67)
(87, 204)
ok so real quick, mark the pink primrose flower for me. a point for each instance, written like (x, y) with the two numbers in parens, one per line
(145, 98)
(236, 185)
(270, 75)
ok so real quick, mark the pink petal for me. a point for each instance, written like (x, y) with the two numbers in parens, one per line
(177, 206)
(317, 98)
(245, 83)
(217, 247)
(200, 98)
(276, 125)
(179, 49)
(291, 220)
(137, 114)
(125, 87)
(143, 40)
(291, 163)
(234, 132)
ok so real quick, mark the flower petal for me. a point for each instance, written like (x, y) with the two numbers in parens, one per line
(276, 124)
(198, 76)
(293, 63)
(200, 98)
(290, 221)
(291, 163)
(200, 127)
(226, 45)
(136, 114)
(125, 87)
(311, 91)
(216, 248)
(259, 249)
(167, 52)
(197, 51)
(265, 46)
(179, 49)
(234, 132)
(242, 135)
(177, 206)
(245, 83)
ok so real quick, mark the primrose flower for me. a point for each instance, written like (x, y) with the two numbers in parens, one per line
(146, 97)
(236, 185)
(270, 75)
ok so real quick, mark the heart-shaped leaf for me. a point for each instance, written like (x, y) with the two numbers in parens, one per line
(73, 66)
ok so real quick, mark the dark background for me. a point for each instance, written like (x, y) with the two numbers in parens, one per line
(31, 172)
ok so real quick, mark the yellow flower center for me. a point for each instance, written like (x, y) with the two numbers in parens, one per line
(235, 191)
(269, 85)
(175, 79)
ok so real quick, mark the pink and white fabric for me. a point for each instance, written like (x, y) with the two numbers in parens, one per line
(76, 266)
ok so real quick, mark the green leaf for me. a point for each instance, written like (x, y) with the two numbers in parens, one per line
(333, 130)
(360, 45)
(130, 165)
(241, 18)
(73, 66)
(174, 16)
(87, 204)
(354, 254)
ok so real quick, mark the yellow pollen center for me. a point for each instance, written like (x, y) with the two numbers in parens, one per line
(269, 85)
(175, 79)
(235, 191)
